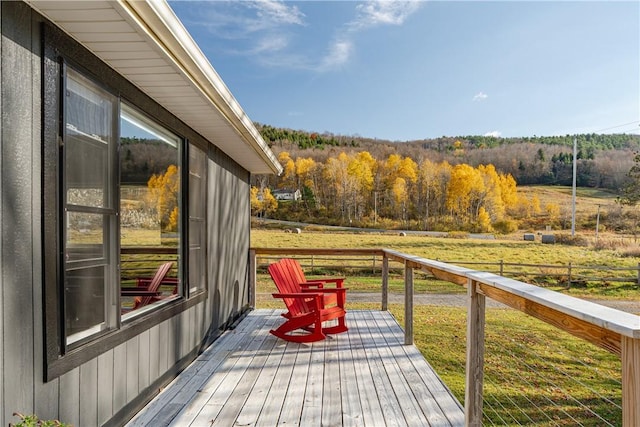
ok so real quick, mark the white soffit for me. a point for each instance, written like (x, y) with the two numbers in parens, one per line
(146, 43)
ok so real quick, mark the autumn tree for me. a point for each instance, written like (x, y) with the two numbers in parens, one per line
(263, 203)
(464, 193)
(288, 178)
(164, 191)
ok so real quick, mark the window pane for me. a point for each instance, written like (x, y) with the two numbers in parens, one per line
(150, 206)
(88, 140)
(84, 302)
(88, 206)
(85, 236)
(197, 215)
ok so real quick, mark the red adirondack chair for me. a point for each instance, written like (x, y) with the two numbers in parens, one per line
(306, 306)
(147, 290)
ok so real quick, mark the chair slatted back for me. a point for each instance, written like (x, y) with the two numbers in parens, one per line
(287, 283)
(160, 275)
(295, 270)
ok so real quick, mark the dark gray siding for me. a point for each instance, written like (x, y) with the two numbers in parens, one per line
(18, 203)
(106, 389)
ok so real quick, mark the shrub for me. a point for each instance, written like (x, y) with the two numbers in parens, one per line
(505, 226)
(568, 239)
(34, 421)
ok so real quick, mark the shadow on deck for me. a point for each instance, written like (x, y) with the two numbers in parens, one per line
(364, 377)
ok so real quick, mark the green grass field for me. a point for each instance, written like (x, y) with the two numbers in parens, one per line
(453, 250)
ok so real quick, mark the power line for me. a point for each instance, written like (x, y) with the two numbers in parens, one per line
(618, 126)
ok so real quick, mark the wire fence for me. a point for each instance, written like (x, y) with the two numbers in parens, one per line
(567, 275)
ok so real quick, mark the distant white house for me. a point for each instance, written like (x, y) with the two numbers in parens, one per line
(287, 194)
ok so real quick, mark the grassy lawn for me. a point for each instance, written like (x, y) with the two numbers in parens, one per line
(469, 250)
(534, 373)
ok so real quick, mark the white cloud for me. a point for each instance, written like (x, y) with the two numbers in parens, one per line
(480, 96)
(277, 12)
(387, 12)
(269, 44)
(494, 133)
(338, 54)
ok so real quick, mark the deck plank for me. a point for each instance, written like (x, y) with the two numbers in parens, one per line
(364, 377)
(371, 407)
(352, 415)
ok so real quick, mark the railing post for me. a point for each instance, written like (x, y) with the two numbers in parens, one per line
(475, 356)
(252, 277)
(630, 381)
(385, 282)
(408, 304)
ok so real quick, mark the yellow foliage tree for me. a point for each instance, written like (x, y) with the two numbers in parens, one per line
(465, 189)
(164, 192)
(484, 221)
(263, 202)
(288, 178)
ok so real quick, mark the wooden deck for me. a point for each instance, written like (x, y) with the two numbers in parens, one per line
(364, 377)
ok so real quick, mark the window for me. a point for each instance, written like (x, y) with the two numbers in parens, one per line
(124, 194)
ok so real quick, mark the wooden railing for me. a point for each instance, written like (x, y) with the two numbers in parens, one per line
(615, 331)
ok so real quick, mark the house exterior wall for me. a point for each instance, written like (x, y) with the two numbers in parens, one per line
(110, 388)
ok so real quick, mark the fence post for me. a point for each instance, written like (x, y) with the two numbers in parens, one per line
(252, 277)
(569, 276)
(638, 282)
(385, 282)
(502, 267)
(630, 381)
(475, 356)
(408, 303)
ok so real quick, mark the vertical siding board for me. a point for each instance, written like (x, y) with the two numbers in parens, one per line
(154, 353)
(163, 350)
(2, 207)
(69, 397)
(89, 393)
(106, 389)
(132, 368)
(143, 360)
(16, 192)
(119, 377)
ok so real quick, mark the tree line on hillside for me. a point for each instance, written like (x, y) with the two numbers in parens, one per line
(358, 190)
(603, 160)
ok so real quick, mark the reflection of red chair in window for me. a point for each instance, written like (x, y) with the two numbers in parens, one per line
(147, 289)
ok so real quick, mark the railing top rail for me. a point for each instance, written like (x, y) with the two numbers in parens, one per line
(610, 319)
(624, 323)
(318, 251)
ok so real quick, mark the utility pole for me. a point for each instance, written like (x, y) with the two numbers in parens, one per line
(573, 194)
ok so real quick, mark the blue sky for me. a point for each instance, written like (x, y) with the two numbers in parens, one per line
(423, 69)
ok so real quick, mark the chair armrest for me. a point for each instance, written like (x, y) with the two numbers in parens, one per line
(133, 292)
(146, 281)
(325, 290)
(298, 295)
(322, 281)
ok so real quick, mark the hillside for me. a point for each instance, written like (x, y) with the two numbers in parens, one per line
(603, 160)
